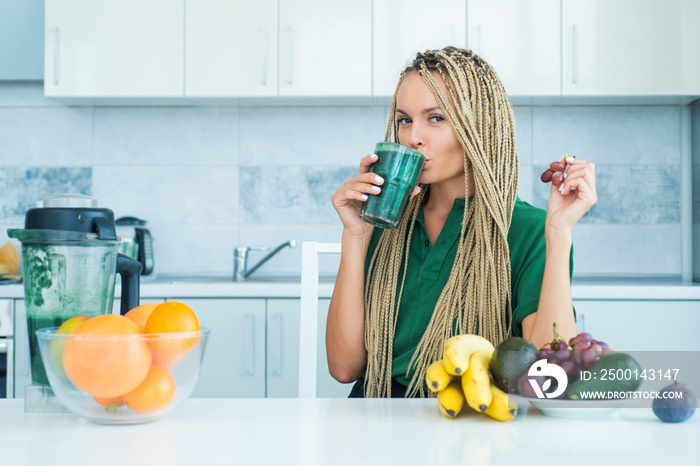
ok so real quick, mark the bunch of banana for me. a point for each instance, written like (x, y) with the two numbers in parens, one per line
(463, 374)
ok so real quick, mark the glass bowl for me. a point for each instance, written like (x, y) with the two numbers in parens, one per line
(122, 379)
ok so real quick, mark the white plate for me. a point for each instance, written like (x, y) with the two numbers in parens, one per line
(574, 409)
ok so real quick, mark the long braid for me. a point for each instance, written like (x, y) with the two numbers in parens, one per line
(477, 296)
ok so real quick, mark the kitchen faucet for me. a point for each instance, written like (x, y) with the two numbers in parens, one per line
(240, 256)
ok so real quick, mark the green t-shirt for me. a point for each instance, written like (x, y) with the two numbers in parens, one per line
(429, 267)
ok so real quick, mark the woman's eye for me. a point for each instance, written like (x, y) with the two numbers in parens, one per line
(403, 121)
(436, 118)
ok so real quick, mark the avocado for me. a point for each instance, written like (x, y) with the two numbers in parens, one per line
(511, 359)
(614, 372)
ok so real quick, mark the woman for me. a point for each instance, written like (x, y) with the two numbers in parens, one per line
(468, 256)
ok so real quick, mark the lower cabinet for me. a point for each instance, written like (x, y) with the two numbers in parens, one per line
(283, 352)
(641, 325)
(234, 358)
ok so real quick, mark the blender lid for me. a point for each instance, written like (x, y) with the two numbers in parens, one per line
(75, 213)
(129, 221)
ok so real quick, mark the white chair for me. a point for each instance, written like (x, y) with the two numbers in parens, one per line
(308, 318)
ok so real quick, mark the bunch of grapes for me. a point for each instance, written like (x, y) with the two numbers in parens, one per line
(579, 354)
(556, 171)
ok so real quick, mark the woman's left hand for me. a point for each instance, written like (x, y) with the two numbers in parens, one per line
(571, 199)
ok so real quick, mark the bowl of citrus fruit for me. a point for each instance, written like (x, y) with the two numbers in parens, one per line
(130, 369)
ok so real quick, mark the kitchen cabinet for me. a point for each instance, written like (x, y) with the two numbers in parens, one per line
(234, 358)
(22, 40)
(325, 48)
(114, 48)
(283, 352)
(231, 48)
(641, 325)
(630, 47)
(521, 41)
(401, 28)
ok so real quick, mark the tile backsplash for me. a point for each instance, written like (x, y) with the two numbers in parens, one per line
(208, 179)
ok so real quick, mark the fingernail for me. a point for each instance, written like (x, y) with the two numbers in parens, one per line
(570, 159)
(372, 156)
(561, 189)
(419, 189)
(573, 188)
(364, 197)
(378, 179)
(376, 188)
(563, 177)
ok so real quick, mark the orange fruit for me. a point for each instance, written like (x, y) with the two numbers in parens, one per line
(160, 359)
(155, 392)
(140, 314)
(172, 317)
(111, 403)
(56, 347)
(106, 358)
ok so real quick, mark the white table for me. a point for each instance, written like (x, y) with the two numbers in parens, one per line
(307, 432)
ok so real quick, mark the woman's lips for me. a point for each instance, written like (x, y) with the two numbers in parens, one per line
(425, 164)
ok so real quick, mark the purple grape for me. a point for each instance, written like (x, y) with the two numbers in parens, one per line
(569, 367)
(556, 166)
(578, 357)
(582, 345)
(546, 353)
(596, 347)
(585, 336)
(573, 340)
(589, 357)
(524, 387)
(603, 345)
(563, 355)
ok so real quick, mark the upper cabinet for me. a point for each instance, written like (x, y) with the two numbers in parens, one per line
(231, 48)
(521, 41)
(114, 48)
(308, 48)
(22, 40)
(630, 47)
(401, 28)
(325, 48)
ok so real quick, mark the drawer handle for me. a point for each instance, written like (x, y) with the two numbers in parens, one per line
(574, 43)
(55, 55)
(278, 370)
(251, 347)
(290, 77)
(264, 53)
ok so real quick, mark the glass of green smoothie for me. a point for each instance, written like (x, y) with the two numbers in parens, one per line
(399, 166)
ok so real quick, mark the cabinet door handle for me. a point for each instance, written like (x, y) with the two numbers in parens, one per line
(251, 344)
(278, 370)
(55, 55)
(574, 45)
(264, 53)
(3, 347)
(290, 77)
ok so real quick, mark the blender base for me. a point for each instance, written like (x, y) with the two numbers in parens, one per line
(40, 399)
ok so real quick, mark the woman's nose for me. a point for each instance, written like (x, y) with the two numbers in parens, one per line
(415, 137)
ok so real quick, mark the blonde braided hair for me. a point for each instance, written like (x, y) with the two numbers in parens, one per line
(477, 296)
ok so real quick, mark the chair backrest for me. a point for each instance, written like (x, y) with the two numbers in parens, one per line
(308, 319)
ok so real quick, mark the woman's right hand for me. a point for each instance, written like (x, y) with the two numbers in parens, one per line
(348, 199)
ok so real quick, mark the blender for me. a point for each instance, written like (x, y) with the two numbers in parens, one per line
(70, 259)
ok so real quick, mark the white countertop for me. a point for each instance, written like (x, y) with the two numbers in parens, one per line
(290, 287)
(343, 432)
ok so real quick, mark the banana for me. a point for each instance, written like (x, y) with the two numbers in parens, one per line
(476, 382)
(451, 399)
(436, 377)
(502, 407)
(459, 348)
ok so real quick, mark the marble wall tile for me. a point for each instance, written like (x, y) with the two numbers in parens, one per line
(309, 135)
(166, 135)
(523, 133)
(22, 187)
(201, 249)
(629, 135)
(24, 94)
(629, 194)
(627, 249)
(60, 136)
(290, 194)
(177, 194)
(288, 261)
